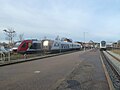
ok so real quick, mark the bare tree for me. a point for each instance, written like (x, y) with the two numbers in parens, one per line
(21, 36)
(10, 34)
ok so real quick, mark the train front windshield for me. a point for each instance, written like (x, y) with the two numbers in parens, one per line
(103, 43)
(17, 44)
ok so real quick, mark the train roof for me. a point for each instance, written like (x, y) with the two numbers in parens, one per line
(64, 42)
(103, 41)
(32, 39)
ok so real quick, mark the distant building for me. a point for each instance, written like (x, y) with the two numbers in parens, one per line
(109, 45)
(4, 44)
(118, 43)
(79, 42)
(91, 44)
(115, 45)
(66, 40)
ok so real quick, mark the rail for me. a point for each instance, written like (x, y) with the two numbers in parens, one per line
(112, 70)
(113, 56)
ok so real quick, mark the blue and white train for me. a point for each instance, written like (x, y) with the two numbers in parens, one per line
(103, 45)
(58, 46)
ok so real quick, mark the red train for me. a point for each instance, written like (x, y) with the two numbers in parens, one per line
(29, 46)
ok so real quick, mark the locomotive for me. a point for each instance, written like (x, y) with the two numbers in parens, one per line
(29, 46)
(47, 45)
(103, 45)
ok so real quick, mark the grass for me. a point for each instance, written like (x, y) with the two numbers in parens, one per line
(117, 51)
(21, 56)
(16, 56)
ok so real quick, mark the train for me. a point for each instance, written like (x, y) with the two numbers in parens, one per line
(29, 46)
(16, 44)
(46, 45)
(102, 45)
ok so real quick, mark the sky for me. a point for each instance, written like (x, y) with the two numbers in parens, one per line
(98, 19)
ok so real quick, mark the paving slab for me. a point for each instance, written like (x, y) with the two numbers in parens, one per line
(88, 75)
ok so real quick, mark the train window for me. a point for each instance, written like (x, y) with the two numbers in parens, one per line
(45, 43)
(24, 45)
(56, 44)
(35, 46)
(64, 45)
(17, 44)
(29, 44)
(103, 43)
(32, 46)
(38, 45)
(61, 45)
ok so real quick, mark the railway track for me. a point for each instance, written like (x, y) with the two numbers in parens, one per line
(114, 56)
(113, 72)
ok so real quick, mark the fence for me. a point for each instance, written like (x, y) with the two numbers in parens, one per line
(4, 56)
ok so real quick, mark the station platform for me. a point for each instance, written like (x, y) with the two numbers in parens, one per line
(81, 70)
(88, 75)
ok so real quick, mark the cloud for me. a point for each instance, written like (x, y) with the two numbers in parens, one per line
(99, 18)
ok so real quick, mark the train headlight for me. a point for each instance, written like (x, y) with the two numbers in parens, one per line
(45, 43)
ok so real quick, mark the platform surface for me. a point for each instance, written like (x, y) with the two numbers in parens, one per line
(75, 71)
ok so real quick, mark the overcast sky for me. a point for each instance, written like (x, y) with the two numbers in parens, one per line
(99, 19)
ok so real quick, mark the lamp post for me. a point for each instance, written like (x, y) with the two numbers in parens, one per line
(84, 41)
(10, 34)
